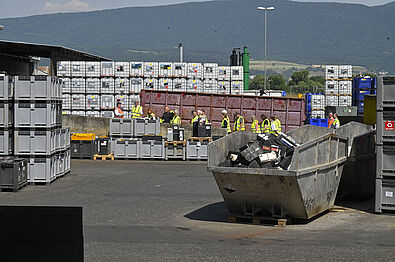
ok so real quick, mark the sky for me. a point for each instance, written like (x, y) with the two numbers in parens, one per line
(18, 8)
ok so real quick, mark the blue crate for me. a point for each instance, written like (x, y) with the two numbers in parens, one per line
(359, 94)
(363, 83)
(319, 122)
(360, 110)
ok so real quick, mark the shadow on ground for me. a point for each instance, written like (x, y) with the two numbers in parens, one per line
(216, 212)
(364, 205)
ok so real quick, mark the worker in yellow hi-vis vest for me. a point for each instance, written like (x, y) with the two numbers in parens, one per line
(265, 126)
(225, 121)
(176, 119)
(255, 125)
(239, 123)
(137, 110)
(278, 122)
(195, 117)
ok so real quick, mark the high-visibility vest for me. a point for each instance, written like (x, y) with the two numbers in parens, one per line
(151, 116)
(271, 130)
(176, 120)
(264, 130)
(194, 119)
(239, 124)
(330, 122)
(278, 125)
(136, 111)
(120, 113)
(335, 123)
(227, 121)
(255, 127)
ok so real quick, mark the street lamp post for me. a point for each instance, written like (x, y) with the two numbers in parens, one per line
(1, 27)
(264, 63)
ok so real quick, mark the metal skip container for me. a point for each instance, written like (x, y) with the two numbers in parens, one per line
(308, 188)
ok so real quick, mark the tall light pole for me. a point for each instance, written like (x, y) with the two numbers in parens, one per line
(1, 27)
(181, 52)
(264, 63)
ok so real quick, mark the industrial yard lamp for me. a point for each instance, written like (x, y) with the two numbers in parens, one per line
(265, 9)
(1, 27)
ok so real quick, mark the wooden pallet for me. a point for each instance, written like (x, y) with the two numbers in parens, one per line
(260, 220)
(201, 139)
(176, 143)
(103, 157)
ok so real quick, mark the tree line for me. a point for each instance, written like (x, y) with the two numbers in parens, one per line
(299, 83)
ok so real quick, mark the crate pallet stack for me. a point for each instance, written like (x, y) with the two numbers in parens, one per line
(315, 109)
(362, 86)
(385, 149)
(136, 138)
(338, 85)
(38, 133)
(33, 126)
(94, 88)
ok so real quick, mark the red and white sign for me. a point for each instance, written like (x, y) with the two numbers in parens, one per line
(389, 125)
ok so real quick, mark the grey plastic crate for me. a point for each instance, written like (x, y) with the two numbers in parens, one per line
(13, 173)
(6, 88)
(175, 151)
(59, 165)
(64, 138)
(197, 150)
(67, 161)
(126, 148)
(122, 127)
(34, 142)
(6, 142)
(6, 114)
(35, 115)
(385, 92)
(41, 169)
(385, 160)
(37, 88)
(385, 126)
(152, 149)
(58, 138)
(144, 126)
(385, 195)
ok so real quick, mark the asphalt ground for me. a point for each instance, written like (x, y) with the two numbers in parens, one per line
(173, 211)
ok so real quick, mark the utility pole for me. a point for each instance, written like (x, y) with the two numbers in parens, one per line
(181, 52)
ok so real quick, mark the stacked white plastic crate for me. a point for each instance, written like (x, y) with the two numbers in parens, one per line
(338, 85)
(94, 88)
(38, 133)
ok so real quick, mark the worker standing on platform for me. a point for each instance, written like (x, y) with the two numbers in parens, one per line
(150, 114)
(176, 119)
(330, 120)
(137, 110)
(202, 117)
(239, 123)
(265, 126)
(336, 122)
(255, 125)
(225, 121)
(118, 113)
(195, 117)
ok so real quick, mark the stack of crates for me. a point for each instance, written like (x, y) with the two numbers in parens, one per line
(6, 115)
(38, 133)
(385, 149)
(315, 106)
(136, 138)
(338, 85)
(94, 88)
(362, 86)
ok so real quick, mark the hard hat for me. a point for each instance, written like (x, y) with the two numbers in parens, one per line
(224, 111)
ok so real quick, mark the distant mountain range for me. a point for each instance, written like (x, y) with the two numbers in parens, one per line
(301, 32)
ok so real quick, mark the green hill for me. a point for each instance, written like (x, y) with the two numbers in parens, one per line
(299, 32)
